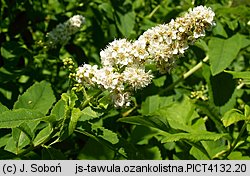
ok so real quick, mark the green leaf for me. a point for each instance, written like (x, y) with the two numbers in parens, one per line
(51, 153)
(38, 97)
(231, 117)
(12, 119)
(180, 115)
(126, 22)
(6, 155)
(202, 45)
(151, 153)
(198, 154)
(159, 82)
(11, 146)
(4, 140)
(214, 148)
(94, 150)
(59, 110)
(219, 30)
(222, 94)
(247, 112)
(75, 115)
(70, 99)
(236, 155)
(3, 108)
(43, 135)
(154, 103)
(88, 114)
(149, 121)
(108, 10)
(23, 134)
(24, 127)
(141, 135)
(223, 51)
(194, 137)
(245, 75)
(105, 134)
(12, 49)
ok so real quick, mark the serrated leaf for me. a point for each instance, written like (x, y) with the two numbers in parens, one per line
(149, 121)
(88, 114)
(151, 153)
(231, 117)
(194, 137)
(12, 119)
(106, 134)
(38, 97)
(3, 108)
(223, 51)
(180, 115)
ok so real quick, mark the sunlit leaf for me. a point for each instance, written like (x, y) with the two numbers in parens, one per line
(223, 51)
(3, 108)
(38, 97)
(231, 117)
(88, 114)
(12, 119)
(194, 137)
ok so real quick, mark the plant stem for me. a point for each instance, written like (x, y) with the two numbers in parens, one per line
(185, 75)
(153, 12)
(232, 147)
(88, 99)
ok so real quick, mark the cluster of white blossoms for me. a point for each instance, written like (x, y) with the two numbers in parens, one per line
(62, 32)
(123, 62)
(167, 42)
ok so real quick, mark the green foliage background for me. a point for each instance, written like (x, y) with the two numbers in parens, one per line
(40, 118)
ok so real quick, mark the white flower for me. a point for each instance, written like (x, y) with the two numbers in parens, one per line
(109, 79)
(123, 61)
(86, 74)
(137, 77)
(166, 42)
(118, 53)
(121, 99)
(63, 31)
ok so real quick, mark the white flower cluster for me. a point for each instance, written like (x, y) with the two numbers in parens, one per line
(166, 42)
(62, 32)
(118, 83)
(123, 61)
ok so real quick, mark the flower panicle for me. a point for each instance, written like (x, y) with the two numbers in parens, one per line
(61, 34)
(123, 61)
